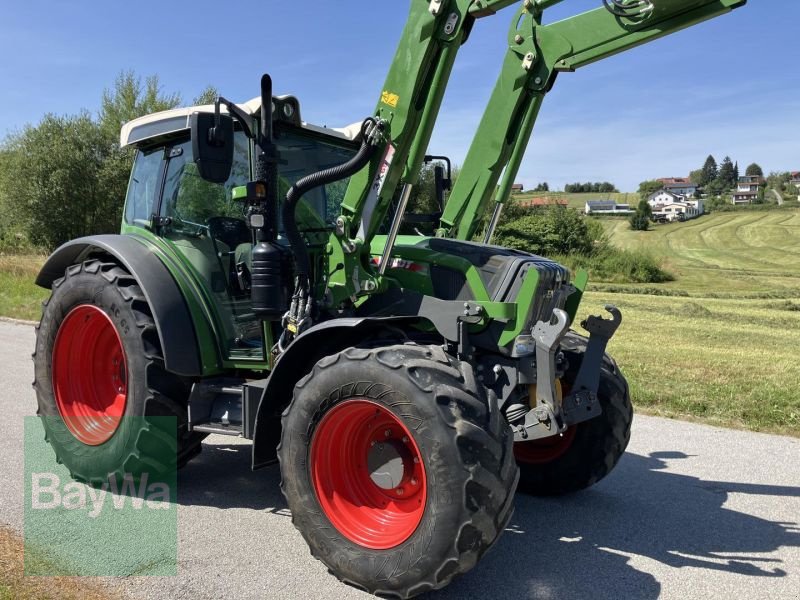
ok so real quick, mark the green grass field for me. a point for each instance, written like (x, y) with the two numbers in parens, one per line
(722, 345)
(726, 362)
(20, 298)
(736, 254)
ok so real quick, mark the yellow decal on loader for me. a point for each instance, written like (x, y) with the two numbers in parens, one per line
(390, 99)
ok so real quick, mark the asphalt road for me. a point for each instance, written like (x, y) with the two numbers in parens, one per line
(690, 512)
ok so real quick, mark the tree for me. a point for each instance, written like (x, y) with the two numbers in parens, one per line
(548, 231)
(715, 187)
(58, 181)
(646, 188)
(593, 187)
(726, 174)
(542, 187)
(208, 96)
(736, 171)
(66, 176)
(780, 181)
(129, 99)
(640, 220)
(754, 170)
(709, 173)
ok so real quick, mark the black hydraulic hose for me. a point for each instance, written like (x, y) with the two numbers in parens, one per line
(309, 182)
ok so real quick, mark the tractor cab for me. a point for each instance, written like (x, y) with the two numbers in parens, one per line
(204, 224)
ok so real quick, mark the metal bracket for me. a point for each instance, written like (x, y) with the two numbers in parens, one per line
(527, 61)
(545, 420)
(548, 337)
(582, 404)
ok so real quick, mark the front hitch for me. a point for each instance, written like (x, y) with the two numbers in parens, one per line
(552, 414)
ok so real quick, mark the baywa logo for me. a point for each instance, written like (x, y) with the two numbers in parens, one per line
(119, 525)
(48, 491)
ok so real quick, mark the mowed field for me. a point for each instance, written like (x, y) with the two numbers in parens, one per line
(731, 254)
(723, 346)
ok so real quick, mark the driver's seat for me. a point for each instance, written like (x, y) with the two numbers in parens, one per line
(232, 232)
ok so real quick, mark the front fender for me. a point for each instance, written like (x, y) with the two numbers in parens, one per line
(173, 320)
(299, 358)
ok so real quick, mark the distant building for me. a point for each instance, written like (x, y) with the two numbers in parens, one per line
(517, 188)
(661, 198)
(543, 201)
(795, 180)
(679, 185)
(747, 189)
(664, 202)
(606, 207)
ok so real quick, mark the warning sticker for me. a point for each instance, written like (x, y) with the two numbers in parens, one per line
(390, 99)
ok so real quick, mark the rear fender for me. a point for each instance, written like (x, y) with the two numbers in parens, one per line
(176, 330)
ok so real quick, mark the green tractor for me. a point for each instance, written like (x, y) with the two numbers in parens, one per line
(260, 288)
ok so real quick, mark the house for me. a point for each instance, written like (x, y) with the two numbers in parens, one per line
(682, 186)
(664, 202)
(661, 198)
(697, 207)
(606, 207)
(747, 189)
(795, 180)
(543, 201)
(517, 188)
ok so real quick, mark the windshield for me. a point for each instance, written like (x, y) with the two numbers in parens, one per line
(302, 154)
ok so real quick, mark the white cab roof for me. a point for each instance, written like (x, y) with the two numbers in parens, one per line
(175, 120)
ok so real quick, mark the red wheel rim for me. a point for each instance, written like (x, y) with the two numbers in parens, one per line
(544, 450)
(90, 375)
(374, 504)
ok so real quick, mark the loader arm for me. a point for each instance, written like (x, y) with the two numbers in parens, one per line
(409, 105)
(536, 54)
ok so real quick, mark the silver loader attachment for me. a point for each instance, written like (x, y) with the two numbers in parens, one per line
(553, 411)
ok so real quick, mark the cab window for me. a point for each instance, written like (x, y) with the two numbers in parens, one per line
(191, 200)
(143, 187)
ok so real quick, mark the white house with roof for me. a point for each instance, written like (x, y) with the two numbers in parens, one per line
(669, 204)
(606, 207)
(662, 198)
(747, 189)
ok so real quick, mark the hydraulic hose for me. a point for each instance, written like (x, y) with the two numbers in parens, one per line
(309, 182)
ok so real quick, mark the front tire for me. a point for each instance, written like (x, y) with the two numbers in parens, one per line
(585, 453)
(102, 390)
(397, 469)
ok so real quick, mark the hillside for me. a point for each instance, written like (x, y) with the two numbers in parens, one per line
(578, 201)
(737, 254)
(727, 354)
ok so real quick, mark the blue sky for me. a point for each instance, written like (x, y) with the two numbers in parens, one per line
(728, 86)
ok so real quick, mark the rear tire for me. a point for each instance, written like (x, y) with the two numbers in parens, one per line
(96, 296)
(588, 451)
(429, 407)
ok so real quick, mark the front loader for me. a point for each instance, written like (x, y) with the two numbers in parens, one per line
(260, 288)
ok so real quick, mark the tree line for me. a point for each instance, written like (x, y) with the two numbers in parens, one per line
(590, 187)
(66, 176)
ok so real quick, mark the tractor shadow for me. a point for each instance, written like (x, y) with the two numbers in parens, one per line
(580, 546)
(220, 477)
(577, 546)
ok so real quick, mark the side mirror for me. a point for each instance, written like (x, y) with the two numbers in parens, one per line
(212, 145)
